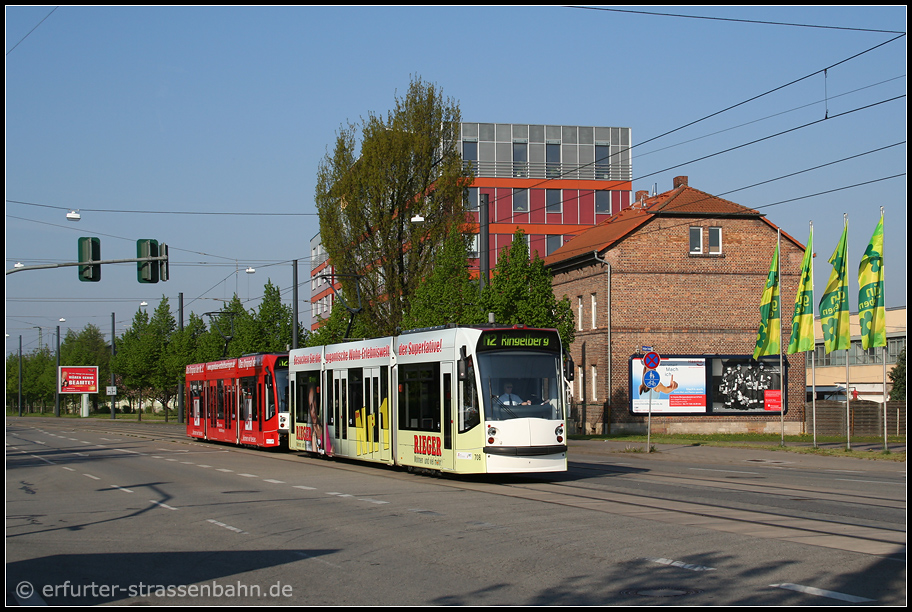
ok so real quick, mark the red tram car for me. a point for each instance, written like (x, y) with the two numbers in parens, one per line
(241, 401)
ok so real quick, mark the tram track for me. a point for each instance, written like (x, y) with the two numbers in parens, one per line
(828, 532)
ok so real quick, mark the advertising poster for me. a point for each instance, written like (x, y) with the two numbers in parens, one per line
(681, 388)
(78, 379)
(742, 385)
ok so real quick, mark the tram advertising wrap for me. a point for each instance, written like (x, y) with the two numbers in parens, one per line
(458, 399)
(709, 384)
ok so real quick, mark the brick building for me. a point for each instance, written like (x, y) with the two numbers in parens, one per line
(682, 272)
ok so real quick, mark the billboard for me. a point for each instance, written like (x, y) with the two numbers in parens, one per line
(77, 379)
(709, 384)
(681, 388)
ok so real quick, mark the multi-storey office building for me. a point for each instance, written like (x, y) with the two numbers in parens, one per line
(553, 181)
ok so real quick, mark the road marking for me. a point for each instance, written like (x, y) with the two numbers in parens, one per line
(682, 565)
(873, 481)
(158, 503)
(305, 488)
(821, 592)
(274, 481)
(224, 470)
(92, 477)
(726, 471)
(69, 469)
(228, 527)
(249, 475)
(312, 558)
(204, 466)
(373, 501)
(43, 459)
(122, 488)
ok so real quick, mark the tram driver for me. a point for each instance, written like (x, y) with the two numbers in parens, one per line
(511, 399)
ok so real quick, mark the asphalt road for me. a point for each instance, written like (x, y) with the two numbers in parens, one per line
(118, 513)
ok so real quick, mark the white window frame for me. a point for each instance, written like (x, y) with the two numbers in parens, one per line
(592, 304)
(715, 250)
(698, 231)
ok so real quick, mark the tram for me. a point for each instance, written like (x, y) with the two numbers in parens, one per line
(464, 400)
(241, 401)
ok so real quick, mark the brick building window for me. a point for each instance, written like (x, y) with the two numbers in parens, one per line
(715, 241)
(696, 240)
(592, 304)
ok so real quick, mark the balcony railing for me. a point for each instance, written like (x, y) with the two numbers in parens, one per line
(546, 170)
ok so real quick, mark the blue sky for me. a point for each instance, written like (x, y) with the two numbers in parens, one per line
(230, 110)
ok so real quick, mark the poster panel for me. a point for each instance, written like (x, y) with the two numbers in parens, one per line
(681, 388)
(78, 379)
(741, 385)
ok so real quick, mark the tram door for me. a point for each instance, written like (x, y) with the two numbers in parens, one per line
(448, 418)
(339, 425)
(371, 405)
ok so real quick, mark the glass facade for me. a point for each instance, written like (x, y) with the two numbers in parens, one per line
(547, 151)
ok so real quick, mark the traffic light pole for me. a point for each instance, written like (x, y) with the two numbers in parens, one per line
(84, 263)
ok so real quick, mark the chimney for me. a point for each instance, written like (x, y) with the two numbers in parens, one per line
(680, 181)
(641, 196)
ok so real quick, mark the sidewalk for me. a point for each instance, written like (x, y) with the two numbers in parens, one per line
(741, 452)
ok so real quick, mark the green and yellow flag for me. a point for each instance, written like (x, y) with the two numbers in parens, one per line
(768, 342)
(834, 306)
(871, 313)
(803, 320)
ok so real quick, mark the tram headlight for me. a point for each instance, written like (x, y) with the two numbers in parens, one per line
(491, 433)
(559, 432)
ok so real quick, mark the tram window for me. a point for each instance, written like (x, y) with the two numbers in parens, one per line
(270, 397)
(355, 393)
(468, 408)
(419, 397)
(447, 411)
(248, 399)
(384, 394)
(220, 400)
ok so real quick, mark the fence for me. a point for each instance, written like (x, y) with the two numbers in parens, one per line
(866, 418)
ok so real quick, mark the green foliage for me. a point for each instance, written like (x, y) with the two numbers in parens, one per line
(448, 295)
(379, 175)
(521, 292)
(898, 377)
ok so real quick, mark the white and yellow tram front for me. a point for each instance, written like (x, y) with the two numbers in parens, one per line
(522, 395)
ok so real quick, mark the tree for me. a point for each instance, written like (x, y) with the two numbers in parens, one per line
(898, 378)
(448, 295)
(274, 320)
(521, 292)
(368, 192)
(88, 347)
(135, 358)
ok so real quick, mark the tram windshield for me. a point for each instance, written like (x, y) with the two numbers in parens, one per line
(521, 384)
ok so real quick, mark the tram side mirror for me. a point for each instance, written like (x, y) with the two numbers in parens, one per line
(569, 368)
(461, 365)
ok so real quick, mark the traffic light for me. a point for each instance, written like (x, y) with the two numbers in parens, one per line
(89, 251)
(147, 271)
(163, 266)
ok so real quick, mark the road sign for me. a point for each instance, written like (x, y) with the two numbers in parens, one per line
(651, 379)
(652, 360)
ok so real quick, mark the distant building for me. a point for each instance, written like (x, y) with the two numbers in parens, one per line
(553, 181)
(680, 273)
(866, 367)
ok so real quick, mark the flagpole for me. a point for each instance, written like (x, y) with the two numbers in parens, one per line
(845, 219)
(814, 347)
(884, 298)
(783, 394)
